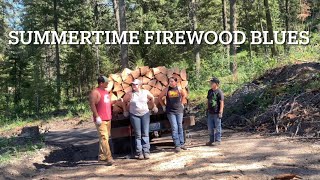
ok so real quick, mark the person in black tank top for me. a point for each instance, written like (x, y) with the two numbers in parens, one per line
(174, 109)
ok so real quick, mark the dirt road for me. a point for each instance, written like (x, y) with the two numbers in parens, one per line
(72, 155)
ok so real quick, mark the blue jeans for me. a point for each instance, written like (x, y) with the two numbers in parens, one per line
(141, 129)
(214, 127)
(177, 128)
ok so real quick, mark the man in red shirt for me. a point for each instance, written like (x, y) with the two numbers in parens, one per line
(100, 104)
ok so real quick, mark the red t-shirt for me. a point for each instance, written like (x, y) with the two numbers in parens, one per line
(104, 105)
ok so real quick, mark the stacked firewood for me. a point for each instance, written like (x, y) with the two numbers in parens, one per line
(154, 80)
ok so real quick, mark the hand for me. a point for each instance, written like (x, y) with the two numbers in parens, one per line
(126, 114)
(155, 109)
(182, 106)
(164, 108)
(220, 115)
(98, 120)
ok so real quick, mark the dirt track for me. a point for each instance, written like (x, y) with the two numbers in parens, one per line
(240, 156)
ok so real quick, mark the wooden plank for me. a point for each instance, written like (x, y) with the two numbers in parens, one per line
(144, 70)
(129, 79)
(183, 74)
(146, 87)
(149, 74)
(135, 74)
(116, 77)
(153, 83)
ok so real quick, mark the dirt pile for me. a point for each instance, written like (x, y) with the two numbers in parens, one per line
(283, 100)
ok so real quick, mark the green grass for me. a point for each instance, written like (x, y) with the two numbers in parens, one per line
(11, 148)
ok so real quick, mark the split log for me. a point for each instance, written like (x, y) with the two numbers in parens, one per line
(110, 85)
(183, 74)
(159, 86)
(125, 73)
(117, 87)
(149, 74)
(155, 91)
(176, 70)
(120, 94)
(162, 78)
(146, 87)
(113, 97)
(135, 74)
(145, 80)
(169, 73)
(116, 78)
(125, 85)
(163, 69)
(129, 79)
(156, 71)
(153, 83)
(144, 70)
(184, 84)
(127, 89)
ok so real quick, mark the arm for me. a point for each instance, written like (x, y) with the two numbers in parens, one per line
(126, 100)
(221, 104)
(93, 99)
(183, 95)
(162, 94)
(150, 97)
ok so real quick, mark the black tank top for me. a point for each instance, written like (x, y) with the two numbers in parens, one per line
(173, 99)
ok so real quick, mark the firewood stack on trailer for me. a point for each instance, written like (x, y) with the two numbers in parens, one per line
(153, 79)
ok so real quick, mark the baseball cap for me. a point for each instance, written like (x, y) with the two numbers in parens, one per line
(136, 82)
(102, 79)
(214, 80)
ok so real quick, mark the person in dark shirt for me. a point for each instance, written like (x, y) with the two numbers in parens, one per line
(174, 109)
(214, 111)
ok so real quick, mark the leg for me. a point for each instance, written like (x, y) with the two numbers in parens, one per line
(210, 123)
(104, 147)
(145, 122)
(174, 128)
(180, 128)
(136, 123)
(218, 129)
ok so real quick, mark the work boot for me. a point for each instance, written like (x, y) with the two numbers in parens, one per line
(184, 147)
(147, 155)
(177, 149)
(209, 143)
(140, 156)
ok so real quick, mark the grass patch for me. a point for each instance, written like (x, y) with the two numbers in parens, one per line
(15, 147)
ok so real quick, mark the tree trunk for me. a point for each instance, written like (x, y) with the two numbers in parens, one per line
(193, 14)
(120, 13)
(58, 80)
(225, 21)
(286, 46)
(96, 46)
(233, 48)
(270, 28)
